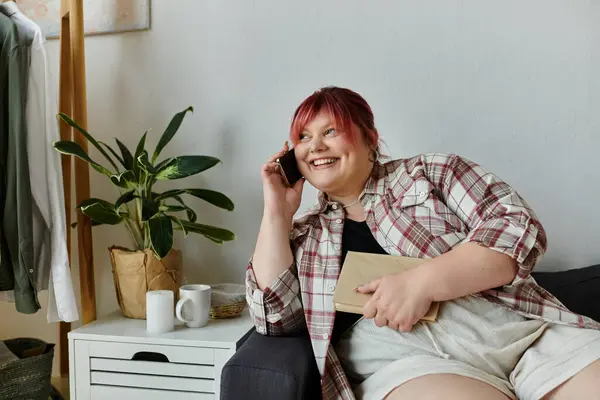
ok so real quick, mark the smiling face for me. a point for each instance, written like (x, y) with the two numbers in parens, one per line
(330, 161)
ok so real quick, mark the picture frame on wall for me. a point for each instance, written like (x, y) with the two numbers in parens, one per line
(100, 16)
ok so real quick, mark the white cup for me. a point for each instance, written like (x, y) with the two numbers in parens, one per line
(159, 311)
(193, 305)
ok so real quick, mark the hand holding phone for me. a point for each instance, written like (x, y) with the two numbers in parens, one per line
(281, 169)
(289, 168)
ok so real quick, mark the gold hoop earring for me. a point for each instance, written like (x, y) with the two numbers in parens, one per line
(374, 156)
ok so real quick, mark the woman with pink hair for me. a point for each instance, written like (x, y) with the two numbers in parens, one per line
(498, 334)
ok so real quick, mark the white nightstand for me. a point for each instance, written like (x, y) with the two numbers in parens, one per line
(116, 359)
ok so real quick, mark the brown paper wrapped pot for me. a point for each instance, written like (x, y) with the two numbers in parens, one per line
(137, 272)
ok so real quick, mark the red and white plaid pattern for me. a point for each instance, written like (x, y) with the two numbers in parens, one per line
(418, 207)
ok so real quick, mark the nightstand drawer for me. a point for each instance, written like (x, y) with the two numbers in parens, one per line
(152, 368)
(149, 366)
(144, 352)
(99, 392)
(152, 382)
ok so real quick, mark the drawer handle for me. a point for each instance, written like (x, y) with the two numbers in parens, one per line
(149, 356)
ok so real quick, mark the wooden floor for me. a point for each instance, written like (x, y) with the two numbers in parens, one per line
(62, 385)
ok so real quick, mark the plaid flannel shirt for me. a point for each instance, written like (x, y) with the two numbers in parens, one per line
(418, 207)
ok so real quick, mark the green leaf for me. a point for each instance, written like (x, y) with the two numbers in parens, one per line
(170, 132)
(113, 153)
(215, 198)
(101, 211)
(181, 226)
(125, 198)
(127, 157)
(71, 148)
(166, 165)
(149, 208)
(125, 179)
(163, 163)
(141, 145)
(89, 137)
(161, 234)
(169, 193)
(138, 151)
(191, 214)
(209, 231)
(184, 166)
(144, 164)
(171, 208)
(174, 194)
(90, 201)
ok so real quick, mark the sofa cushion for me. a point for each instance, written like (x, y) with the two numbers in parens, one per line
(268, 367)
(577, 289)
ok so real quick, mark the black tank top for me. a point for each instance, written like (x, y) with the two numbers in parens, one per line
(356, 237)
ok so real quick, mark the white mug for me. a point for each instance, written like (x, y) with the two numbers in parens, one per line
(194, 302)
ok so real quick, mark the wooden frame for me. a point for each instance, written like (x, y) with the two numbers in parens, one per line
(72, 101)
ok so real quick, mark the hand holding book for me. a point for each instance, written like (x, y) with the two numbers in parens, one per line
(386, 288)
(396, 301)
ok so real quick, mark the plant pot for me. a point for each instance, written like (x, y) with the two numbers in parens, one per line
(137, 272)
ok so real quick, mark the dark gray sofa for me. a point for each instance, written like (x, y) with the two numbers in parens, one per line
(282, 368)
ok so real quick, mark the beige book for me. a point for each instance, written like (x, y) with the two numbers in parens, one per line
(361, 268)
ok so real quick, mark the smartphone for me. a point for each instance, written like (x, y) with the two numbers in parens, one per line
(289, 168)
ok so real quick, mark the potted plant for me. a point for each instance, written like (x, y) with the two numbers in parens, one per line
(149, 216)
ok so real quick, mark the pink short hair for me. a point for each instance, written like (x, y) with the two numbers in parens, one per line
(344, 106)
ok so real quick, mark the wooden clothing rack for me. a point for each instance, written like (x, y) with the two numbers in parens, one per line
(72, 101)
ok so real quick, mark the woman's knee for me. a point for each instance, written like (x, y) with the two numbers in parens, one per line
(446, 386)
(584, 385)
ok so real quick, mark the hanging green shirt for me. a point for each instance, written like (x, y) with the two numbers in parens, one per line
(16, 234)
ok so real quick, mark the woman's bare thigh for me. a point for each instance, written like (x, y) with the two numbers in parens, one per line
(447, 387)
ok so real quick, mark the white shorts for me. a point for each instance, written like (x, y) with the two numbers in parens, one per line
(472, 337)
